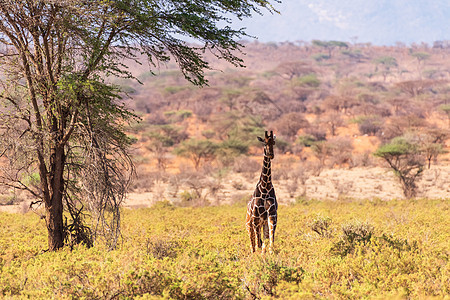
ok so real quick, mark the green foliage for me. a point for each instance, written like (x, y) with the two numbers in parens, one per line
(356, 54)
(167, 135)
(178, 115)
(320, 57)
(172, 90)
(197, 150)
(204, 253)
(329, 44)
(421, 56)
(445, 108)
(306, 140)
(386, 61)
(187, 196)
(397, 147)
(309, 80)
(32, 179)
(229, 149)
(238, 126)
(265, 273)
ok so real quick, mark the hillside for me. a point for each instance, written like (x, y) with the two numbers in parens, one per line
(331, 106)
(352, 98)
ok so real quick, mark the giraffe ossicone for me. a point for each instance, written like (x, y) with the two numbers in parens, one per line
(262, 207)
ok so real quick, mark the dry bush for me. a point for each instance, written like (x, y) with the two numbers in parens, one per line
(144, 181)
(370, 126)
(319, 133)
(202, 190)
(162, 248)
(238, 185)
(333, 121)
(364, 159)
(353, 234)
(341, 151)
(240, 198)
(321, 225)
(156, 119)
(342, 188)
(289, 124)
(7, 199)
(246, 166)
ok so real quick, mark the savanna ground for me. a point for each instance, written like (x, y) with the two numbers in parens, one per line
(396, 249)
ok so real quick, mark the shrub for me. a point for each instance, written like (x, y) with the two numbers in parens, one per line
(353, 234)
(160, 248)
(243, 164)
(320, 57)
(306, 140)
(264, 274)
(370, 125)
(321, 226)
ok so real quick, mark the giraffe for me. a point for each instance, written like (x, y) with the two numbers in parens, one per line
(262, 207)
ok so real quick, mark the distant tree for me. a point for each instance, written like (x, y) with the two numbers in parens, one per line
(289, 124)
(290, 70)
(405, 159)
(322, 151)
(432, 143)
(159, 152)
(355, 55)
(230, 98)
(339, 103)
(197, 150)
(421, 57)
(230, 149)
(329, 45)
(386, 63)
(340, 149)
(415, 87)
(369, 125)
(399, 125)
(309, 80)
(333, 121)
(398, 103)
(319, 57)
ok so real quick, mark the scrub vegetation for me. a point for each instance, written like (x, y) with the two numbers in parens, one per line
(324, 249)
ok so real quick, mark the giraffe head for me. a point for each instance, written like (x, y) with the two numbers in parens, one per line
(268, 141)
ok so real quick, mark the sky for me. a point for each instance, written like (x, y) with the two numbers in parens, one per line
(380, 22)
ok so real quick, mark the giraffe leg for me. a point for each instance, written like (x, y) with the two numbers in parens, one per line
(272, 226)
(258, 240)
(266, 235)
(251, 231)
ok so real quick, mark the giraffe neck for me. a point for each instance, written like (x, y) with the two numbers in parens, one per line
(265, 181)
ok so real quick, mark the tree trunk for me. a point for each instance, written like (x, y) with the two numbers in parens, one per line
(54, 220)
(54, 209)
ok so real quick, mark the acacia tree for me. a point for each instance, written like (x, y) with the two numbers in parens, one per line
(197, 151)
(63, 123)
(386, 63)
(406, 160)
